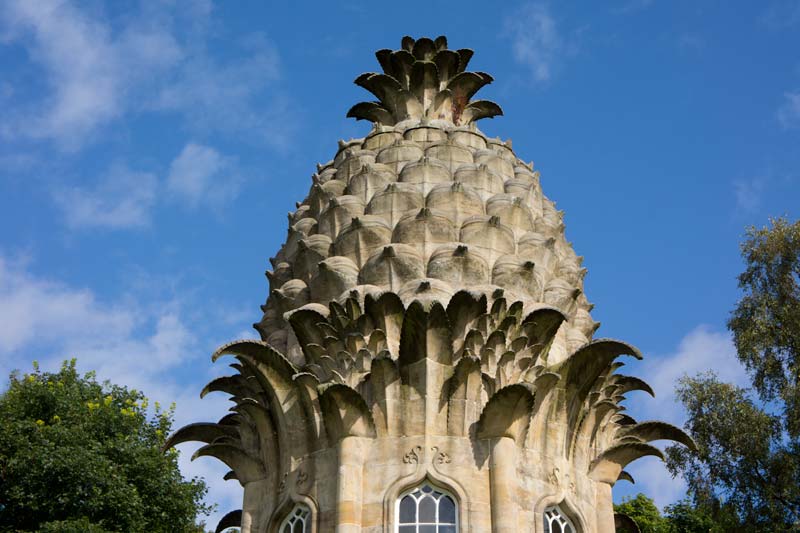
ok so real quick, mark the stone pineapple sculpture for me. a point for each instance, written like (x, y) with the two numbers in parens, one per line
(426, 322)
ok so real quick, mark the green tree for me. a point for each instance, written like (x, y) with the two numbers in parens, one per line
(748, 463)
(77, 455)
(644, 512)
(685, 516)
(766, 321)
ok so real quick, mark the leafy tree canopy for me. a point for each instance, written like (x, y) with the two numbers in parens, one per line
(681, 517)
(644, 512)
(766, 322)
(747, 468)
(78, 455)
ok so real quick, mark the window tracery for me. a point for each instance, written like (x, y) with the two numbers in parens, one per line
(298, 521)
(555, 521)
(427, 509)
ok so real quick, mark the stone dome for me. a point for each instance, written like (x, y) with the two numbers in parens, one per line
(426, 208)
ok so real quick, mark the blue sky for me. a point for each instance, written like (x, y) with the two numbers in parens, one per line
(149, 154)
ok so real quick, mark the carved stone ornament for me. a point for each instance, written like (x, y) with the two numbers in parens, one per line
(413, 457)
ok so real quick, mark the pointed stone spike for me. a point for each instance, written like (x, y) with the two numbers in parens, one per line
(198, 432)
(232, 519)
(651, 430)
(627, 477)
(625, 524)
(246, 467)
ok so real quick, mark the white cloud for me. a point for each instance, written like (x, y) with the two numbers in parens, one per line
(126, 342)
(89, 70)
(146, 347)
(701, 350)
(780, 15)
(123, 199)
(227, 95)
(635, 5)
(789, 112)
(41, 310)
(749, 193)
(98, 71)
(691, 41)
(536, 41)
(201, 175)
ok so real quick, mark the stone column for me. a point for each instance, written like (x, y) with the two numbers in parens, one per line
(503, 481)
(257, 506)
(605, 507)
(349, 482)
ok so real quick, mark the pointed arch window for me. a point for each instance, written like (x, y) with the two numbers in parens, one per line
(555, 521)
(298, 521)
(427, 509)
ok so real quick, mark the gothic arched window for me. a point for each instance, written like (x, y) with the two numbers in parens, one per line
(298, 521)
(556, 521)
(427, 509)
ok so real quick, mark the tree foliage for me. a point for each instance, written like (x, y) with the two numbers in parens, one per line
(645, 513)
(747, 468)
(77, 455)
(766, 322)
(743, 457)
(682, 517)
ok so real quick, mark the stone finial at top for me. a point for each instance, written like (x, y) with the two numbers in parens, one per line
(424, 80)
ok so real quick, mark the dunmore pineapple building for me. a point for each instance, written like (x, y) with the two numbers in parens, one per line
(427, 361)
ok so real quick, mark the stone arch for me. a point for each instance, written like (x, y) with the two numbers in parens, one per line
(564, 503)
(422, 475)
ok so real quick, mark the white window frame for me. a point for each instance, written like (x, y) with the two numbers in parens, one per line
(292, 517)
(436, 488)
(557, 515)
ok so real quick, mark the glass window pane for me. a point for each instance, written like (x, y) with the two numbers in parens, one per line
(447, 510)
(555, 521)
(408, 510)
(296, 521)
(427, 511)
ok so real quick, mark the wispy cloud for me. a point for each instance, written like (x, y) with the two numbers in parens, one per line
(536, 40)
(690, 41)
(702, 349)
(123, 199)
(632, 6)
(789, 111)
(88, 68)
(231, 95)
(39, 309)
(201, 175)
(98, 72)
(749, 193)
(141, 346)
(781, 15)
